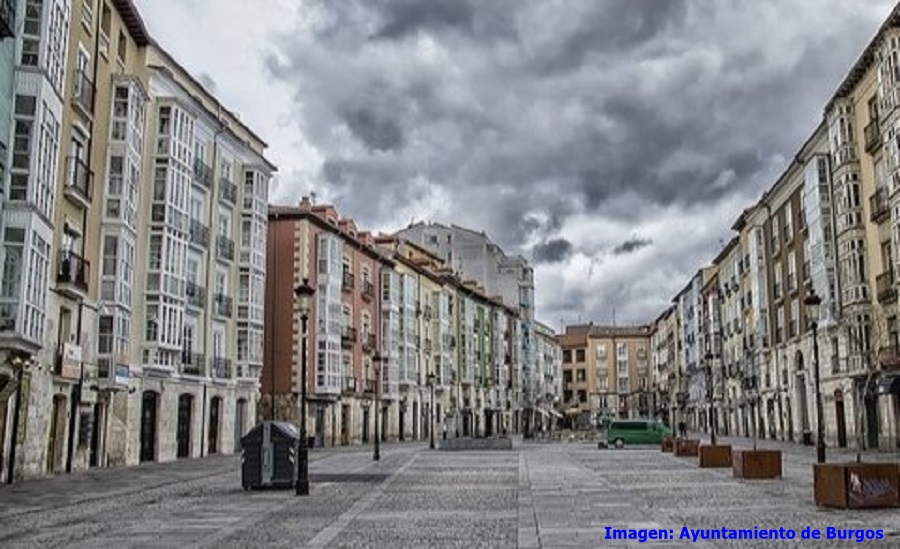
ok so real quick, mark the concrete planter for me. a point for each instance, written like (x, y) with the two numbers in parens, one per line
(856, 485)
(715, 455)
(685, 447)
(668, 444)
(756, 464)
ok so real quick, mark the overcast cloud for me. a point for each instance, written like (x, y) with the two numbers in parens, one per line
(611, 142)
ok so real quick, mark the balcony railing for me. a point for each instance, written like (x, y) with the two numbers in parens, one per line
(369, 385)
(80, 180)
(224, 248)
(368, 290)
(220, 368)
(83, 92)
(73, 269)
(884, 284)
(195, 294)
(223, 305)
(348, 336)
(202, 172)
(347, 281)
(889, 357)
(199, 233)
(369, 343)
(227, 191)
(872, 134)
(349, 384)
(192, 364)
(879, 204)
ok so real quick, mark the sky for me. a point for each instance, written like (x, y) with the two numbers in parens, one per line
(612, 143)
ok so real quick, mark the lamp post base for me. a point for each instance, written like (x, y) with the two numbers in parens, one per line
(302, 488)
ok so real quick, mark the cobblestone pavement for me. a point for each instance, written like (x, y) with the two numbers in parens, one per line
(538, 495)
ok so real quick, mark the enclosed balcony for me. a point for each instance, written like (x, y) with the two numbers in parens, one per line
(83, 93)
(884, 284)
(879, 206)
(79, 182)
(72, 275)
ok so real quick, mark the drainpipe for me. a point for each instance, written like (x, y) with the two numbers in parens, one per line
(210, 272)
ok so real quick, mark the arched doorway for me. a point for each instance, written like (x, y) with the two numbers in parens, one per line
(215, 412)
(183, 430)
(240, 418)
(149, 411)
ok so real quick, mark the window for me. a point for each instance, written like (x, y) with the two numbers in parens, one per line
(580, 375)
(105, 27)
(567, 355)
(14, 238)
(579, 355)
(123, 47)
(31, 31)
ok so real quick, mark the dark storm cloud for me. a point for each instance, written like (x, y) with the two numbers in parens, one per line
(552, 251)
(631, 245)
(408, 16)
(375, 130)
(530, 119)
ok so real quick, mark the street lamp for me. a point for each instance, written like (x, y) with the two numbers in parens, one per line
(709, 399)
(431, 427)
(376, 454)
(813, 302)
(304, 293)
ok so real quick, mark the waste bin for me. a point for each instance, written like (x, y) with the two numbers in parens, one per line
(268, 455)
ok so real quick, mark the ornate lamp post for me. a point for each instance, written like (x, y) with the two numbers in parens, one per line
(709, 399)
(304, 293)
(377, 359)
(430, 378)
(812, 302)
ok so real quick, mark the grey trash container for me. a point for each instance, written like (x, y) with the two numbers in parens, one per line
(268, 455)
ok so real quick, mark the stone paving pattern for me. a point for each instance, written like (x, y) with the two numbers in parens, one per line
(551, 494)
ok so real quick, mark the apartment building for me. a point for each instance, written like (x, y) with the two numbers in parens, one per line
(666, 373)
(580, 385)
(347, 358)
(474, 256)
(117, 354)
(549, 378)
(624, 368)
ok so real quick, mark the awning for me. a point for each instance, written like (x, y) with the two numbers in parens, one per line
(889, 385)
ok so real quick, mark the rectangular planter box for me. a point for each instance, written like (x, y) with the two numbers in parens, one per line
(686, 447)
(718, 455)
(756, 463)
(855, 485)
(668, 444)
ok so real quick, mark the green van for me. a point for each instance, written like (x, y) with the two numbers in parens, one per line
(636, 431)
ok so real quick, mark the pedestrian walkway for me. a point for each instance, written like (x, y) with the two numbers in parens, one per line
(536, 495)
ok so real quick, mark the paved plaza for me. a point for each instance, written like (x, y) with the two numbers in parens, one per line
(540, 494)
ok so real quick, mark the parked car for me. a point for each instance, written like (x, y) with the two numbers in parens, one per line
(636, 431)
